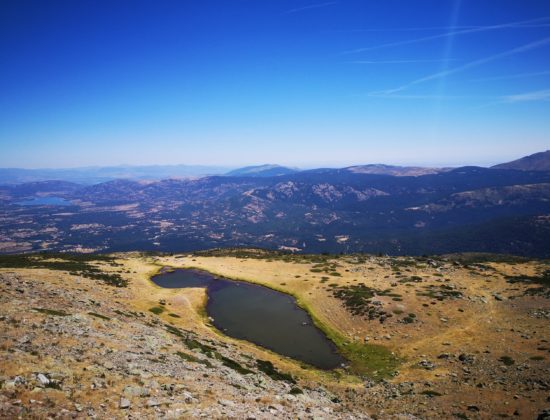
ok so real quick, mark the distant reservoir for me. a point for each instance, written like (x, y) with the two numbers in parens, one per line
(260, 315)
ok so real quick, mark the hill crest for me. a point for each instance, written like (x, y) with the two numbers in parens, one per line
(535, 162)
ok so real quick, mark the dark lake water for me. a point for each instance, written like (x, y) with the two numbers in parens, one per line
(260, 315)
(45, 201)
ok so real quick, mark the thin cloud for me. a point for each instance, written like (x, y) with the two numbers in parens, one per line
(411, 29)
(518, 50)
(537, 96)
(513, 76)
(427, 97)
(431, 28)
(520, 24)
(412, 61)
(311, 6)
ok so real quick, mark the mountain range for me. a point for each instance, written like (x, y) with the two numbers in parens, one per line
(373, 208)
(263, 171)
(96, 175)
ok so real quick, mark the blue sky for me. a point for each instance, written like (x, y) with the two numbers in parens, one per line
(302, 83)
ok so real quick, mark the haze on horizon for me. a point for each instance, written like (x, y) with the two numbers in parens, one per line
(295, 82)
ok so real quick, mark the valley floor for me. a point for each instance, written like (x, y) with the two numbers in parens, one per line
(426, 338)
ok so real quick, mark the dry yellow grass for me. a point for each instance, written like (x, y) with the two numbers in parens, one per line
(477, 324)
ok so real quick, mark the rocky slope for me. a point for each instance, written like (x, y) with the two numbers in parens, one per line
(71, 348)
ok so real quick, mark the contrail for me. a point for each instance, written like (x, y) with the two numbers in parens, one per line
(311, 6)
(527, 47)
(513, 76)
(539, 95)
(448, 34)
(429, 28)
(442, 85)
(410, 29)
(428, 97)
(412, 61)
(536, 96)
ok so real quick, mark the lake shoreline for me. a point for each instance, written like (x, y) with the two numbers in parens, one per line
(212, 282)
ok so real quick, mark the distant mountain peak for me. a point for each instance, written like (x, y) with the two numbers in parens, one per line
(265, 170)
(535, 162)
(382, 169)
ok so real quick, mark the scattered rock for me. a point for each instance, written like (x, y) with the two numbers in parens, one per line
(426, 364)
(466, 358)
(42, 379)
(124, 403)
(135, 391)
(152, 403)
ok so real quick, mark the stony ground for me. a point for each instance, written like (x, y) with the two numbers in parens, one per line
(73, 347)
